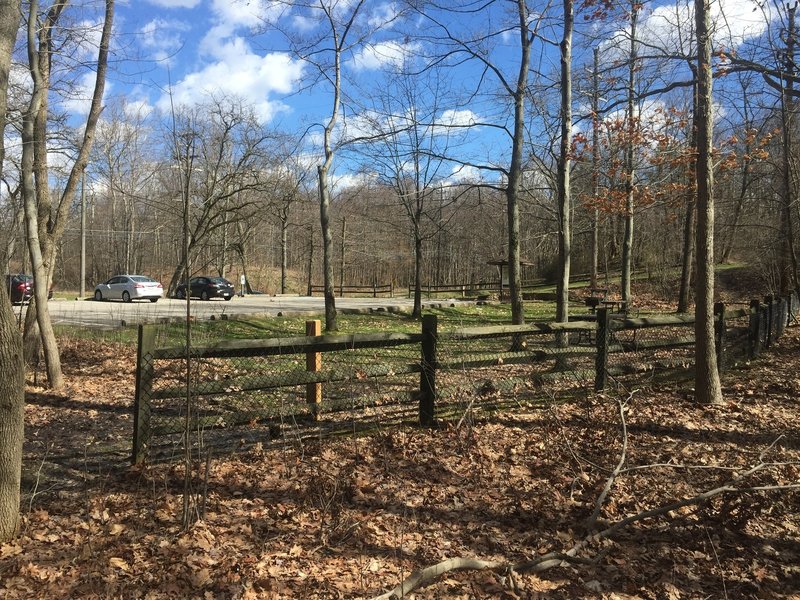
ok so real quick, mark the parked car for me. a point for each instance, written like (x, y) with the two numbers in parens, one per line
(20, 288)
(128, 288)
(205, 288)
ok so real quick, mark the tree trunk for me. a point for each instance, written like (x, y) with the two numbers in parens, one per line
(12, 368)
(284, 252)
(787, 266)
(689, 224)
(327, 249)
(45, 224)
(627, 240)
(515, 171)
(416, 312)
(595, 167)
(707, 384)
(564, 231)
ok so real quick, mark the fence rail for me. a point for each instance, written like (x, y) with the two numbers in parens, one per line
(242, 382)
(373, 290)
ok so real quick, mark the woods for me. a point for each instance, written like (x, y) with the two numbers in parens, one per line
(403, 146)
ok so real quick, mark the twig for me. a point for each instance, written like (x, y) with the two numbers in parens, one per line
(623, 456)
(719, 566)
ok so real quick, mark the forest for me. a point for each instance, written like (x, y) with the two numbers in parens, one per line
(414, 144)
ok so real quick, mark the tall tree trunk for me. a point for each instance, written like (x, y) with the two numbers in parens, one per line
(284, 252)
(44, 223)
(515, 170)
(689, 224)
(564, 231)
(627, 240)
(787, 264)
(707, 384)
(416, 312)
(12, 368)
(595, 167)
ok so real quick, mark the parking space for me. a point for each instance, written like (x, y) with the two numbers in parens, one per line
(91, 313)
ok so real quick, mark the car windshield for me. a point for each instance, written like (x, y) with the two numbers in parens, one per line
(218, 280)
(142, 279)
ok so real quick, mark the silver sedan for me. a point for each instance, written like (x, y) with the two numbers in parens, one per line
(128, 288)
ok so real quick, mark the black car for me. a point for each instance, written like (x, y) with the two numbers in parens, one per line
(19, 288)
(206, 288)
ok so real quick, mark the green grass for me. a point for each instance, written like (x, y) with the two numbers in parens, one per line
(467, 315)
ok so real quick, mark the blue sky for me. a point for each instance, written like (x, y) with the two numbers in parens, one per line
(199, 47)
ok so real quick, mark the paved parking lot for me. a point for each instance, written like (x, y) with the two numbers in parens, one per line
(90, 313)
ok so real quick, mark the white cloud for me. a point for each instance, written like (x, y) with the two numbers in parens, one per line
(383, 14)
(248, 76)
(671, 26)
(464, 174)
(232, 67)
(162, 37)
(80, 99)
(374, 56)
(457, 118)
(175, 3)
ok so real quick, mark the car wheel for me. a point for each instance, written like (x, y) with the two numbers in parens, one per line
(98, 295)
(228, 298)
(180, 294)
(126, 297)
(204, 295)
(153, 299)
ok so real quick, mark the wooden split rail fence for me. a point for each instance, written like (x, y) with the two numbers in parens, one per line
(740, 332)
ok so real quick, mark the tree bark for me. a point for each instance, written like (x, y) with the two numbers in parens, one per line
(12, 368)
(564, 231)
(627, 240)
(707, 383)
(689, 224)
(515, 170)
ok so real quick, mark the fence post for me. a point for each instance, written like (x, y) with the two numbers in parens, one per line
(719, 334)
(783, 316)
(754, 329)
(427, 379)
(144, 386)
(769, 320)
(602, 338)
(314, 365)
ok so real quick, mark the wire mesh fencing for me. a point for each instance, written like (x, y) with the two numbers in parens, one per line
(227, 393)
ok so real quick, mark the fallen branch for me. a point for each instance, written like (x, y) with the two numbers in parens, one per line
(428, 575)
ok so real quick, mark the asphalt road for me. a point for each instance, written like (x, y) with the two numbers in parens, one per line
(90, 313)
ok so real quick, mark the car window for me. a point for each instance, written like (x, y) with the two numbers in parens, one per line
(219, 280)
(140, 278)
(112, 281)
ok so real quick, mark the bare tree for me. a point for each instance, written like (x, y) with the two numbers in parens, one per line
(564, 203)
(45, 216)
(512, 79)
(707, 383)
(12, 369)
(406, 145)
(221, 151)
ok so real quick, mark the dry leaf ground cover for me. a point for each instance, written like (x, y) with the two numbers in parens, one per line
(350, 517)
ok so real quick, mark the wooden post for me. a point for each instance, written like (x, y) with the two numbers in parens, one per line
(427, 379)
(719, 334)
(602, 338)
(783, 314)
(754, 329)
(314, 365)
(769, 320)
(374, 289)
(142, 409)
